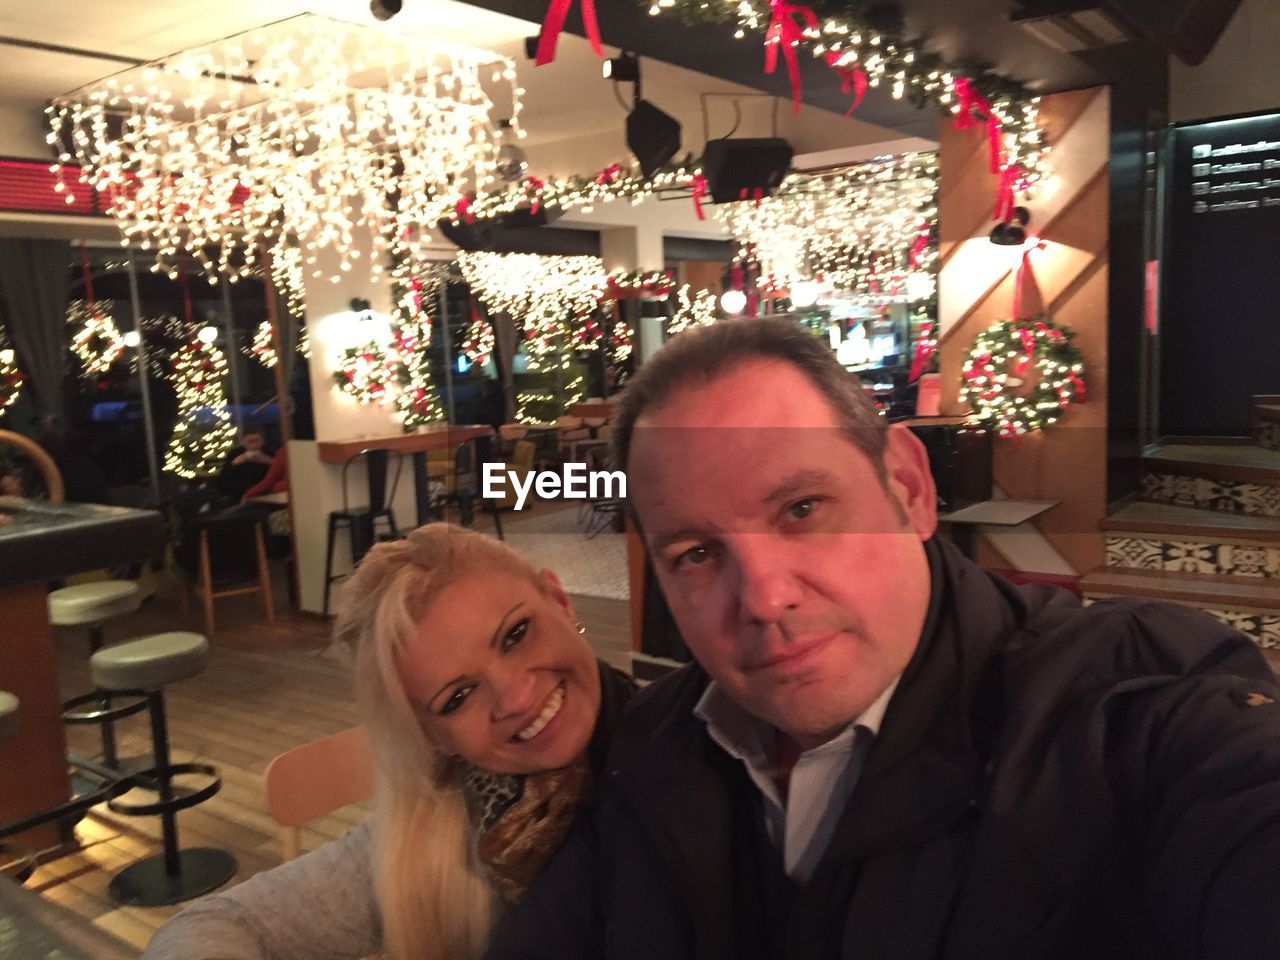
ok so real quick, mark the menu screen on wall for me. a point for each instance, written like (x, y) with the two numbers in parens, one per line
(1220, 310)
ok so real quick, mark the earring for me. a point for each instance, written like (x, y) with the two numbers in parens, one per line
(582, 631)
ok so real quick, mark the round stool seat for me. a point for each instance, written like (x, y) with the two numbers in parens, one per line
(150, 663)
(93, 602)
(8, 715)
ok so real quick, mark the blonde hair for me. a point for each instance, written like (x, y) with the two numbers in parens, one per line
(435, 900)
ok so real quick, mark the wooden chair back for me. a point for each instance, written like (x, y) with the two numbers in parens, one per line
(42, 461)
(310, 781)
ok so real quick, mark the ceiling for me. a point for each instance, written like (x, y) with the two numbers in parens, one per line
(574, 122)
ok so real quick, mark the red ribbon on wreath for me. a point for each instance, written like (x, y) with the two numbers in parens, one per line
(786, 31)
(553, 23)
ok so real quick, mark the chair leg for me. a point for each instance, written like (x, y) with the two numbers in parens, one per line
(291, 842)
(328, 564)
(206, 583)
(264, 576)
(497, 518)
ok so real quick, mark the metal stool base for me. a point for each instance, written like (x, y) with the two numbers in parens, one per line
(147, 884)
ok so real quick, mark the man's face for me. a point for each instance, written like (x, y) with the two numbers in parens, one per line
(252, 442)
(797, 580)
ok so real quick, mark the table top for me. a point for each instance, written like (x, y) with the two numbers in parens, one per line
(1000, 513)
(435, 438)
(44, 541)
(592, 409)
(281, 498)
(32, 926)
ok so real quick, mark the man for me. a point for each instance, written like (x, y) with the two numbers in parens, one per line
(884, 751)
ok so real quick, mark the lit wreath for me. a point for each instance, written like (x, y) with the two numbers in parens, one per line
(365, 373)
(997, 360)
(10, 377)
(96, 341)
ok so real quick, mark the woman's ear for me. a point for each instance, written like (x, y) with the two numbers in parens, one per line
(556, 591)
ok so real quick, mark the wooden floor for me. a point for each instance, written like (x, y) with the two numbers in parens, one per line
(267, 689)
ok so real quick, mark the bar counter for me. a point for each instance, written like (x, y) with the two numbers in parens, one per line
(43, 541)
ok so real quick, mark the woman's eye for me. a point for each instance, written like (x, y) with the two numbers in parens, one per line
(515, 634)
(692, 557)
(456, 699)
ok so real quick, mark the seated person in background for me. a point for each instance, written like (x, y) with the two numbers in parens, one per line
(245, 465)
(276, 479)
(10, 486)
(489, 717)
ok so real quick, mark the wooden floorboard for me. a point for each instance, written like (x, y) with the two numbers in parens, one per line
(267, 688)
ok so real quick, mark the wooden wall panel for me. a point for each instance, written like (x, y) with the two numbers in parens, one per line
(1067, 280)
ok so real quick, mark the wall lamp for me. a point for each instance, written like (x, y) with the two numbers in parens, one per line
(1013, 232)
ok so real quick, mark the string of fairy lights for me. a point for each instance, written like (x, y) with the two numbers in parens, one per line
(293, 136)
(11, 378)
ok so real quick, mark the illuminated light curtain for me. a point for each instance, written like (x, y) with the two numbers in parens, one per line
(298, 134)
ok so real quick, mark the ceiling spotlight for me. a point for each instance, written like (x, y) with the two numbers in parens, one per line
(1013, 232)
(385, 9)
(624, 68)
(733, 301)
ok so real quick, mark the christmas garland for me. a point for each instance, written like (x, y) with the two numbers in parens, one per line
(262, 348)
(623, 285)
(986, 379)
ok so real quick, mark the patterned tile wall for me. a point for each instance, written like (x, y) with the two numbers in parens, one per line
(1269, 434)
(1229, 496)
(1237, 560)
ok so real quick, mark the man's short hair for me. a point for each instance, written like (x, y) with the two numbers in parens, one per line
(696, 357)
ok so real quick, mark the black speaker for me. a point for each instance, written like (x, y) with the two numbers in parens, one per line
(488, 234)
(653, 136)
(734, 166)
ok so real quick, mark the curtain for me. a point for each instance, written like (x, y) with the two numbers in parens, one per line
(33, 301)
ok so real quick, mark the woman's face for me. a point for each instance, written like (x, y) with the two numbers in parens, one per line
(500, 675)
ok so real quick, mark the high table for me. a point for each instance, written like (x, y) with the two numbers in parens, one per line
(44, 541)
(965, 522)
(593, 409)
(378, 449)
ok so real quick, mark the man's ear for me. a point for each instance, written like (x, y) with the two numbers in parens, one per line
(907, 471)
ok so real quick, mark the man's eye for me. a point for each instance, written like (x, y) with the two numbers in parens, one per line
(801, 508)
(692, 557)
(515, 634)
(456, 699)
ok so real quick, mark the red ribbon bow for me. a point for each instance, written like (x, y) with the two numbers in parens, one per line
(924, 353)
(609, 174)
(533, 186)
(922, 241)
(699, 184)
(785, 31)
(852, 80)
(553, 23)
(463, 209)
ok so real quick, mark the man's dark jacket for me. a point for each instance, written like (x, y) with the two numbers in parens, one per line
(1050, 781)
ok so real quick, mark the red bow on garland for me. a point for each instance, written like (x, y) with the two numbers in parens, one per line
(852, 80)
(534, 187)
(609, 174)
(463, 209)
(786, 31)
(699, 184)
(924, 353)
(553, 23)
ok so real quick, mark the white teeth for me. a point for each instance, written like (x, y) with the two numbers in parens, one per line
(554, 703)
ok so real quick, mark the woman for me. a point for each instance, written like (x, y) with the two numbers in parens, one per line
(487, 712)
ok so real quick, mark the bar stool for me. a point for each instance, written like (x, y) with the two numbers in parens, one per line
(362, 522)
(149, 664)
(92, 605)
(16, 862)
